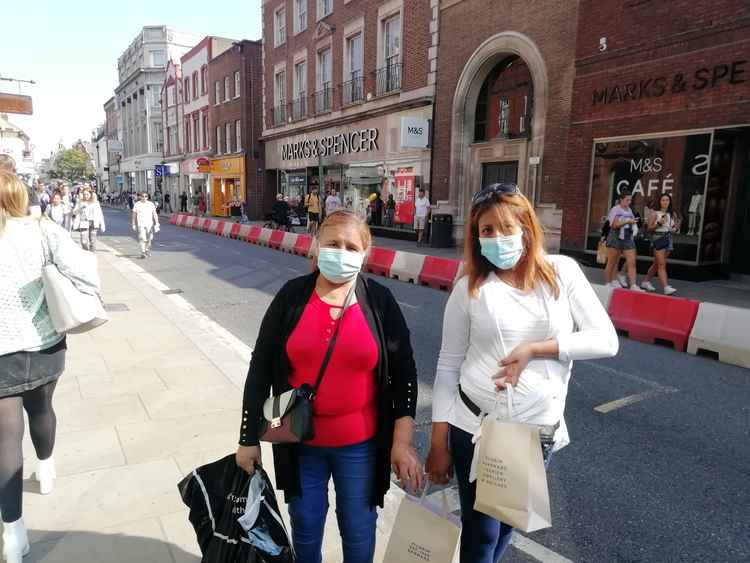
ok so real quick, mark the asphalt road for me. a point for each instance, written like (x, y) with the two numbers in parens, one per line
(663, 479)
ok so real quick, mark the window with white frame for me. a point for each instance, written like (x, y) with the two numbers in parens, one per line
(227, 86)
(204, 80)
(204, 129)
(279, 88)
(238, 136)
(354, 55)
(300, 16)
(300, 79)
(158, 58)
(219, 129)
(279, 26)
(173, 140)
(171, 95)
(217, 93)
(236, 83)
(325, 7)
(228, 126)
(196, 133)
(186, 90)
(188, 148)
(392, 40)
(324, 69)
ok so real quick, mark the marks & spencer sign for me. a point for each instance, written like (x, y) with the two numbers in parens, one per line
(731, 73)
(361, 140)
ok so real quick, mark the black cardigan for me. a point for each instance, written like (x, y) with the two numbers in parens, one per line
(268, 374)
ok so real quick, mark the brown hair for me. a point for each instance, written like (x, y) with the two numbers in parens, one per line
(533, 264)
(14, 199)
(7, 164)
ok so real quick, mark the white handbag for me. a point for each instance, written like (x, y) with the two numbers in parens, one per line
(71, 310)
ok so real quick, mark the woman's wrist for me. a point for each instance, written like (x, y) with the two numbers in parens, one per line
(439, 435)
(403, 431)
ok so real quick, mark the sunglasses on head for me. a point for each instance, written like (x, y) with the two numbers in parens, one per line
(485, 194)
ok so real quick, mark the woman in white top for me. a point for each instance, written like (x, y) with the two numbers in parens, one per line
(662, 224)
(32, 353)
(88, 219)
(56, 209)
(517, 317)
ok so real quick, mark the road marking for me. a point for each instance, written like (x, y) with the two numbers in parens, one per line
(630, 399)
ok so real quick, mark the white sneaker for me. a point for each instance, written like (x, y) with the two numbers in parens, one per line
(614, 284)
(669, 290)
(15, 541)
(648, 286)
(635, 288)
(623, 280)
(46, 475)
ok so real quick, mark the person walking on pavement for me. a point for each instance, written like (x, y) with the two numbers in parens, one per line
(280, 212)
(32, 354)
(131, 201)
(422, 211)
(183, 202)
(201, 203)
(621, 241)
(167, 203)
(390, 211)
(662, 224)
(145, 223)
(88, 219)
(333, 202)
(312, 203)
(517, 317)
(56, 210)
(363, 412)
(67, 203)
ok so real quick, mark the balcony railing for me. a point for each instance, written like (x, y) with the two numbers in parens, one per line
(323, 99)
(279, 114)
(353, 91)
(388, 79)
(299, 107)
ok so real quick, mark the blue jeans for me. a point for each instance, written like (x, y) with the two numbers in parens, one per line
(352, 471)
(483, 539)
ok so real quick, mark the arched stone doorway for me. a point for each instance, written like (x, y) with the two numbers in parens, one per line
(469, 152)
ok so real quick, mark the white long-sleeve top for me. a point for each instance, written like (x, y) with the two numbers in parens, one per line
(479, 332)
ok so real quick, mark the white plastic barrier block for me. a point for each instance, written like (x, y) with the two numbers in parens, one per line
(290, 239)
(227, 229)
(265, 234)
(243, 232)
(603, 292)
(724, 330)
(407, 266)
(212, 225)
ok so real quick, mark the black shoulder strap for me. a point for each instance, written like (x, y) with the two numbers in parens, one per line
(332, 343)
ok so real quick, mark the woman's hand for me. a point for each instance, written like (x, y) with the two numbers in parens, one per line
(407, 466)
(247, 457)
(513, 365)
(439, 464)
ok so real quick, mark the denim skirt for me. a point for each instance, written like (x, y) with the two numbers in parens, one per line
(24, 371)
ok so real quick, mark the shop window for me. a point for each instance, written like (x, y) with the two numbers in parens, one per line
(505, 102)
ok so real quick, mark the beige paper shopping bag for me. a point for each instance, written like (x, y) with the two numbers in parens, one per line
(423, 532)
(511, 479)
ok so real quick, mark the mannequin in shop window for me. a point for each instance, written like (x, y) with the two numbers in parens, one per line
(694, 210)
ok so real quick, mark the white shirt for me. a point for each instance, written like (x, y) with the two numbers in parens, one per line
(422, 204)
(478, 333)
(145, 214)
(332, 204)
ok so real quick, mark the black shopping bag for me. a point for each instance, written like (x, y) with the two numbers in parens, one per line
(219, 495)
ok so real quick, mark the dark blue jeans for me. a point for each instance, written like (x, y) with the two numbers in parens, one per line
(483, 539)
(352, 470)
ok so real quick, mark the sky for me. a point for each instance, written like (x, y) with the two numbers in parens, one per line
(70, 49)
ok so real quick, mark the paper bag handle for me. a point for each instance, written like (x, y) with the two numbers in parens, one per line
(444, 496)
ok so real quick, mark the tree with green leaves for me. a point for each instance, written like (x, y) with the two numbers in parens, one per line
(74, 165)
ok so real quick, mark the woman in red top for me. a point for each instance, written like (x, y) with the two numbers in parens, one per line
(364, 408)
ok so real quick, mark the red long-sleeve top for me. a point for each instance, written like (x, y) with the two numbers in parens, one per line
(345, 408)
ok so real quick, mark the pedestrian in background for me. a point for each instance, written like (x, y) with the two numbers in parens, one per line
(145, 223)
(88, 219)
(280, 213)
(662, 224)
(167, 203)
(201, 203)
(183, 202)
(67, 206)
(421, 213)
(364, 408)
(333, 202)
(56, 210)
(390, 211)
(312, 203)
(32, 354)
(518, 317)
(621, 242)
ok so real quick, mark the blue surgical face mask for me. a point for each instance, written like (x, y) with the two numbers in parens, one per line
(503, 252)
(339, 266)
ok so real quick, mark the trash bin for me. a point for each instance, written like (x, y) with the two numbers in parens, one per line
(442, 230)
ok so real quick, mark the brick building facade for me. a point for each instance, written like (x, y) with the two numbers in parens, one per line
(235, 92)
(348, 92)
(661, 104)
(492, 55)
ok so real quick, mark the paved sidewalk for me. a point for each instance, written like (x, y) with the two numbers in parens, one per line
(144, 399)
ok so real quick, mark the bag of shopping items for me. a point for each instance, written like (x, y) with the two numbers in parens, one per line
(510, 474)
(423, 531)
(235, 516)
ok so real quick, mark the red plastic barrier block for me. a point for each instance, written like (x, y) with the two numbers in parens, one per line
(254, 234)
(196, 224)
(648, 317)
(439, 273)
(206, 225)
(277, 237)
(219, 228)
(182, 220)
(173, 219)
(235, 230)
(379, 261)
(303, 244)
